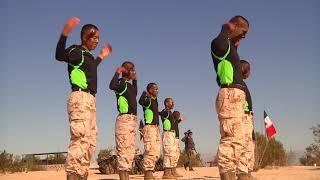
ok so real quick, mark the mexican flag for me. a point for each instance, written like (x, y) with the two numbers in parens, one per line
(270, 129)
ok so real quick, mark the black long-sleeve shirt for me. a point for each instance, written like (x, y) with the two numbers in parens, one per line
(176, 127)
(167, 113)
(73, 56)
(119, 85)
(219, 47)
(188, 143)
(145, 101)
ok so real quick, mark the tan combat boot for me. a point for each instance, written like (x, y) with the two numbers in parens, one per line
(84, 177)
(167, 174)
(244, 176)
(123, 175)
(148, 175)
(175, 173)
(228, 176)
(127, 175)
(72, 176)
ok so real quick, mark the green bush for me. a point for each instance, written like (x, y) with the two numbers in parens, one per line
(274, 155)
(8, 163)
(195, 159)
(312, 153)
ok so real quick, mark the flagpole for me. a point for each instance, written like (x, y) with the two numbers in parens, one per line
(265, 148)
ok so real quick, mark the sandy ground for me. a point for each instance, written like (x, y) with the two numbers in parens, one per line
(281, 173)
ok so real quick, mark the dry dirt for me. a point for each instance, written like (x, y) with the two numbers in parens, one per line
(276, 173)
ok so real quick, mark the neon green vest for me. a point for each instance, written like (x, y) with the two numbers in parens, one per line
(122, 101)
(167, 123)
(246, 107)
(148, 114)
(224, 69)
(77, 76)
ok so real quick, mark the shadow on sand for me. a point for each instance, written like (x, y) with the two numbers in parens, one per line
(315, 169)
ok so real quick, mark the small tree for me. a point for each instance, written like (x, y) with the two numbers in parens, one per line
(269, 153)
(195, 159)
(6, 160)
(10, 163)
(31, 163)
(312, 154)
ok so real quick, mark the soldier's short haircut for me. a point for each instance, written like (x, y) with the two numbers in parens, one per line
(167, 100)
(88, 27)
(127, 62)
(236, 19)
(176, 115)
(246, 68)
(243, 61)
(149, 86)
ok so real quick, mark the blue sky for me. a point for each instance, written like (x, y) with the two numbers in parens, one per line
(169, 41)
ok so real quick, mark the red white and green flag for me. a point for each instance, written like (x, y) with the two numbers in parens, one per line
(270, 128)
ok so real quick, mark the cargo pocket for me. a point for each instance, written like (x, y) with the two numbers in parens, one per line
(77, 128)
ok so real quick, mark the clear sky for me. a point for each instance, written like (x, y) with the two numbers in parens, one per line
(169, 41)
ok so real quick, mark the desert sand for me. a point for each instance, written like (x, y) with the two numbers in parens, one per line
(275, 173)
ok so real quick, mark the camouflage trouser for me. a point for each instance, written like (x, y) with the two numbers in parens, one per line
(190, 155)
(151, 140)
(169, 149)
(177, 152)
(126, 127)
(230, 105)
(249, 151)
(83, 132)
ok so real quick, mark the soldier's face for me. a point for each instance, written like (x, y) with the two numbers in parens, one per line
(245, 68)
(131, 71)
(170, 104)
(91, 39)
(154, 91)
(240, 31)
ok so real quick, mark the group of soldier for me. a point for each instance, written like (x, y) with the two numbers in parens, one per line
(234, 116)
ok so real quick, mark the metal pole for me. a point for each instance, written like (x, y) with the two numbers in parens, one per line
(265, 148)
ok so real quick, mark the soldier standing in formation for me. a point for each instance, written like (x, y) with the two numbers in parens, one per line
(82, 68)
(248, 119)
(126, 122)
(151, 130)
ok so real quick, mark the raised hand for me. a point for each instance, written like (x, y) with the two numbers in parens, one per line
(147, 94)
(121, 69)
(68, 27)
(183, 117)
(105, 51)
